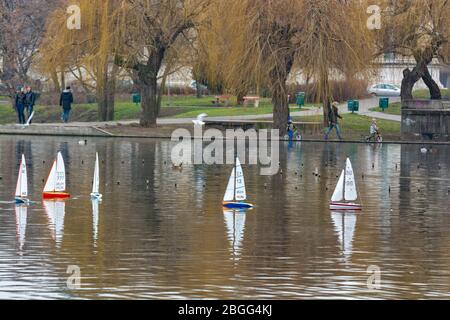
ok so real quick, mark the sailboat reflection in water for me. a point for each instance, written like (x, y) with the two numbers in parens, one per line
(235, 224)
(345, 224)
(56, 211)
(21, 224)
(95, 203)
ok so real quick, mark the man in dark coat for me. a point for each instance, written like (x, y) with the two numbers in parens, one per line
(30, 100)
(20, 105)
(65, 102)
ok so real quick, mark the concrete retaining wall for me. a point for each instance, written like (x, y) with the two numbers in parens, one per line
(52, 130)
(426, 120)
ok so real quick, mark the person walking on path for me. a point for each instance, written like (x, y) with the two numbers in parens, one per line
(65, 102)
(19, 104)
(30, 100)
(333, 116)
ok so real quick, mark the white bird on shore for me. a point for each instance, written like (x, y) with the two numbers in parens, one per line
(424, 150)
(200, 120)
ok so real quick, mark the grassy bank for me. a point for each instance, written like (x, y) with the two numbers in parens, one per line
(179, 107)
(394, 108)
(354, 126)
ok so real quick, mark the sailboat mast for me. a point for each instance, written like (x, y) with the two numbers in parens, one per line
(343, 187)
(235, 177)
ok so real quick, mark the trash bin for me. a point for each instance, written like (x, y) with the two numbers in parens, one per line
(136, 98)
(300, 99)
(384, 103)
(350, 104)
(353, 105)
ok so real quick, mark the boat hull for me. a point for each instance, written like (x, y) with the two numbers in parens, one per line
(237, 205)
(96, 196)
(345, 206)
(55, 195)
(19, 200)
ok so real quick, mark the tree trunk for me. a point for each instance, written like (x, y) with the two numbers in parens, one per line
(278, 77)
(149, 93)
(325, 96)
(280, 108)
(54, 77)
(102, 100)
(435, 92)
(410, 77)
(198, 89)
(240, 97)
(409, 80)
(111, 93)
(148, 84)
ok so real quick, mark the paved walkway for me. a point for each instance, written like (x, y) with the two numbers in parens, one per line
(364, 107)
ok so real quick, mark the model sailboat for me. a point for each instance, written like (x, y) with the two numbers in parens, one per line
(22, 183)
(236, 194)
(55, 188)
(345, 191)
(95, 195)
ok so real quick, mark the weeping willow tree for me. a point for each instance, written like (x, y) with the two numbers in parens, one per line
(259, 43)
(148, 32)
(87, 54)
(335, 44)
(419, 30)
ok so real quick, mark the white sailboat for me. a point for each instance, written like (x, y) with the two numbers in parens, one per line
(345, 192)
(235, 223)
(236, 193)
(55, 188)
(96, 181)
(22, 184)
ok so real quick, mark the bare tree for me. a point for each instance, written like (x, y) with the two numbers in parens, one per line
(419, 29)
(148, 30)
(22, 24)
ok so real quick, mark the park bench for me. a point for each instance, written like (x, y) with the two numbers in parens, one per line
(251, 99)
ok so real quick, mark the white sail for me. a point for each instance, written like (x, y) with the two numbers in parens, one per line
(96, 181)
(56, 211)
(51, 180)
(229, 194)
(350, 185)
(22, 181)
(240, 192)
(338, 194)
(235, 223)
(56, 181)
(60, 184)
(21, 223)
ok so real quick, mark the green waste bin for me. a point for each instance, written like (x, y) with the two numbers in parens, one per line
(300, 99)
(384, 103)
(353, 105)
(136, 98)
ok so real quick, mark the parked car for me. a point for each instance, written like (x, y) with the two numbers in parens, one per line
(202, 87)
(384, 89)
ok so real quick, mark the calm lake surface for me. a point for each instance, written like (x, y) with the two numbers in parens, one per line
(162, 241)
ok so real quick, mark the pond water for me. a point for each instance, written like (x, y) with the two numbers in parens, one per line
(171, 238)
